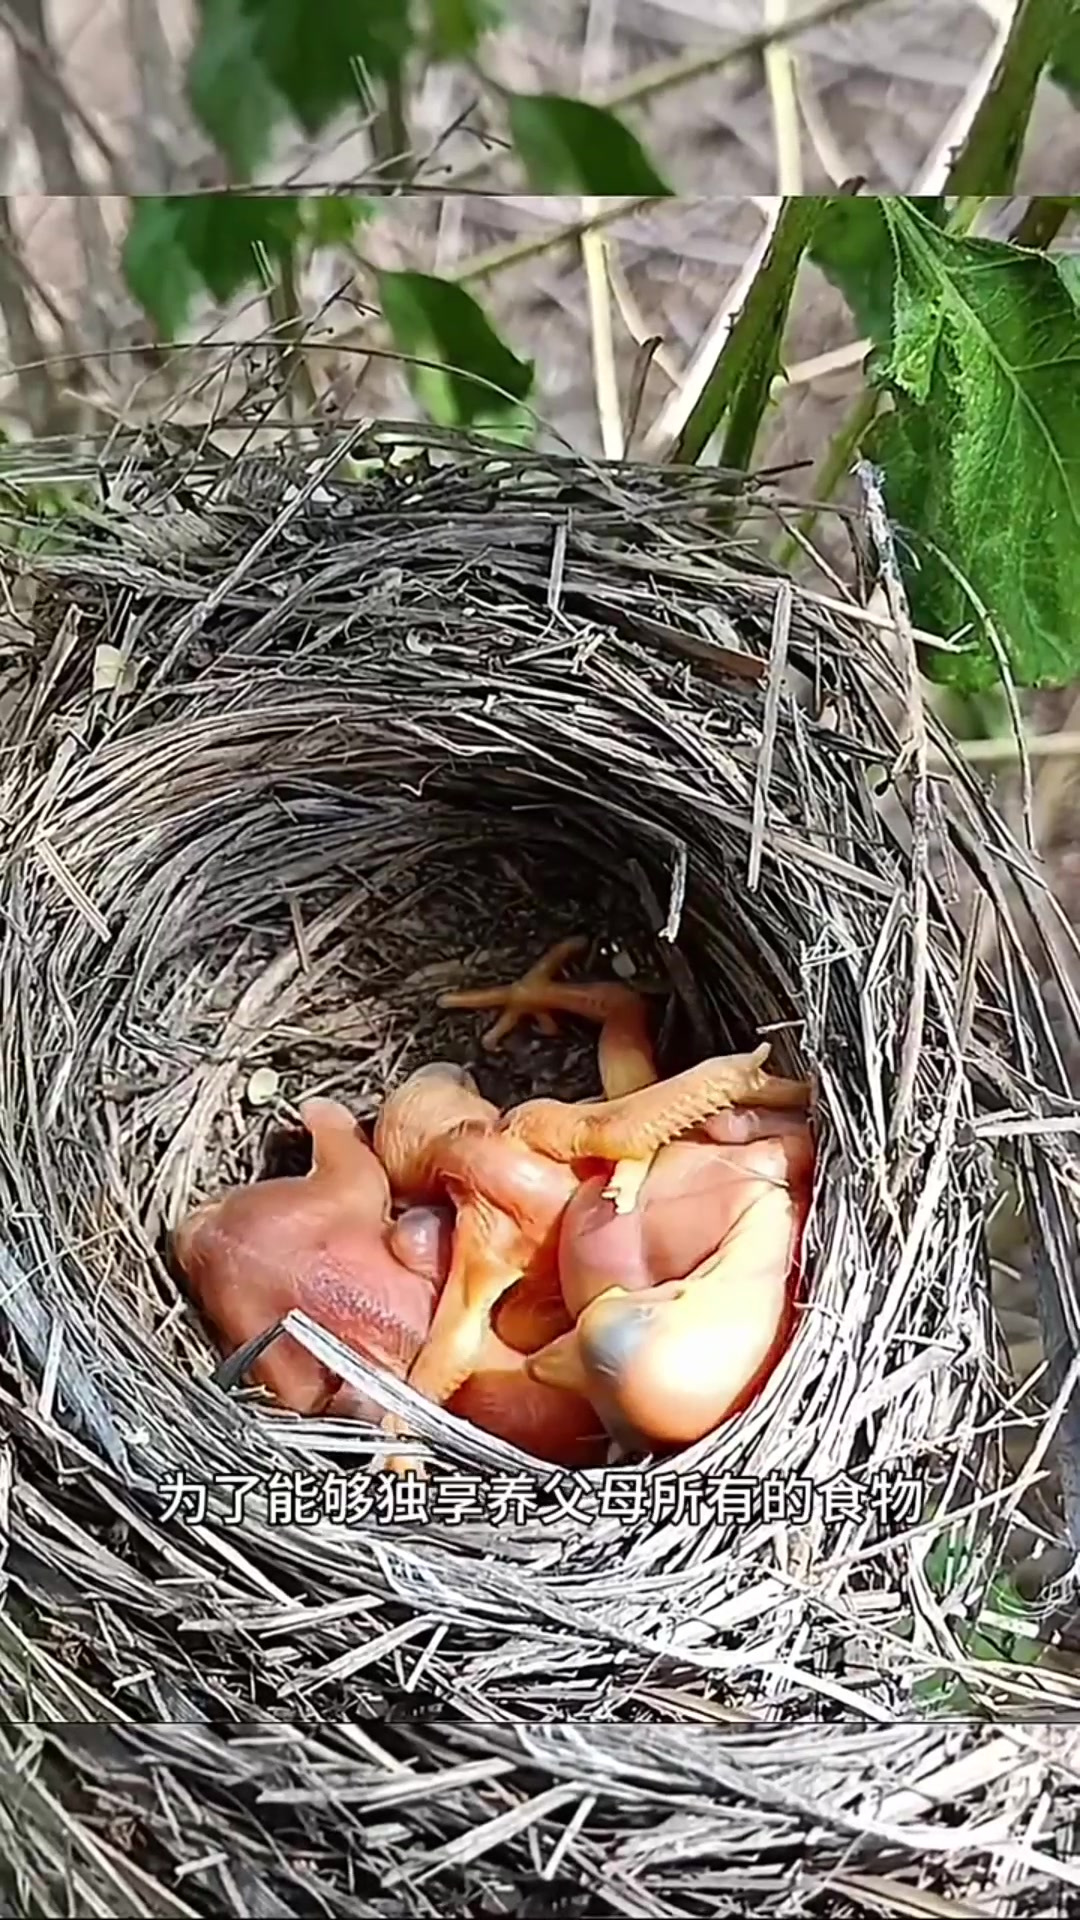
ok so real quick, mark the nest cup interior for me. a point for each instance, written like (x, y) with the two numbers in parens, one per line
(391, 758)
(305, 913)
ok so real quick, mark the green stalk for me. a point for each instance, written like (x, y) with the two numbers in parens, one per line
(755, 335)
(989, 157)
(390, 134)
(1041, 222)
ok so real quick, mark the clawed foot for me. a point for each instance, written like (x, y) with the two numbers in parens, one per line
(523, 999)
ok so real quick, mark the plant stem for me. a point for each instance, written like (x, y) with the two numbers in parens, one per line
(756, 331)
(965, 212)
(838, 462)
(390, 133)
(664, 74)
(283, 300)
(746, 413)
(781, 79)
(1041, 222)
(989, 156)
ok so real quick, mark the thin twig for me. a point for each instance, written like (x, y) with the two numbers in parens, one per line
(774, 689)
(665, 74)
(45, 409)
(834, 164)
(155, 71)
(636, 324)
(915, 748)
(37, 59)
(1005, 751)
(933, 175)
(781, 79)
(820, 365)
(671, 420)
(493, 260)
(605, 376)
(595, 60)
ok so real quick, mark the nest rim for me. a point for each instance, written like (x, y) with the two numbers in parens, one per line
(261, 684)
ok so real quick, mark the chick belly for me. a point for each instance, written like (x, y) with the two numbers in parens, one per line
(677, 1361)
(599, 1248)
(663, 1240)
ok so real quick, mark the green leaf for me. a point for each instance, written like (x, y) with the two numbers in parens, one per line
(322, 59)
(456, 27)
(231, 94)
(853, 248)
(256, 60)
(231, 236)
(177, 245)
(331, 219)
(1068, 267)
(567, 146)
(981, 450)
(156, 265)
(437, 320)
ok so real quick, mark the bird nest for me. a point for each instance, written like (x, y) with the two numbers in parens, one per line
(292, 747)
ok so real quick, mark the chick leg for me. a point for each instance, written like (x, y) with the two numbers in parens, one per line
(633, 1127)
(626, 1058)
(520, 998)
(482, 1270)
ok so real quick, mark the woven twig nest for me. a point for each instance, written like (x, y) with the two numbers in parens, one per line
(544, 1822)
(293, 752)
